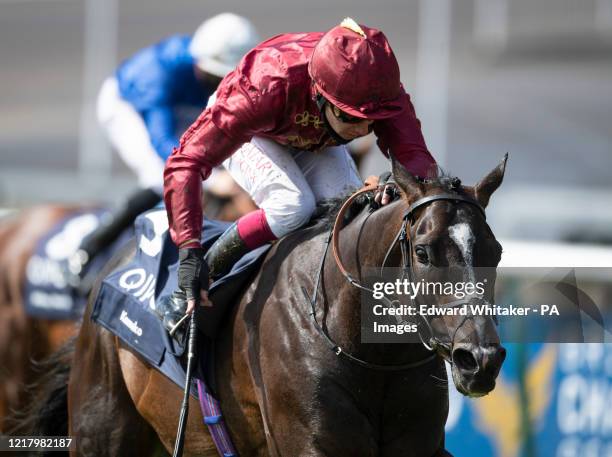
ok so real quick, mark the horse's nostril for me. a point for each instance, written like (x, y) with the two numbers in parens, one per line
(502, 354)
(493, 358)
(465, 360)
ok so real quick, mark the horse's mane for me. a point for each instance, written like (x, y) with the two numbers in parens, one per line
(326, 212)
(444, 181)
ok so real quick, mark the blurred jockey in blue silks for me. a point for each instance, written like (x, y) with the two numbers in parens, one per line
(150, 100)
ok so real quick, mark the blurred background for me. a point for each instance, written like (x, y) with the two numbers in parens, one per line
(529, 77)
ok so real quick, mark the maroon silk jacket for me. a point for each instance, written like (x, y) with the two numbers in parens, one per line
(270, 95)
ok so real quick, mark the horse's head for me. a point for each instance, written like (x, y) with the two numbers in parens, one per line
(447, 232)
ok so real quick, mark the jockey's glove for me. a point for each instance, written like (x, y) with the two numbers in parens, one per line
(387, 190)
(192, 272)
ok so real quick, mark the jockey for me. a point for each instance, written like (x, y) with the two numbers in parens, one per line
(154, 95)
(279, 125)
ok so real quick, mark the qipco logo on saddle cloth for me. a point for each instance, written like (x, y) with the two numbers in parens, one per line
(44, 268)
(46, 285)
(127, 295)
(140, 282)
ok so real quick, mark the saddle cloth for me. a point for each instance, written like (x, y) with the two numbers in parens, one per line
(128, 295)
(46, 293)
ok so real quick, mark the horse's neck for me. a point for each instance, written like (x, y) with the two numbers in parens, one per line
(366, 240)
(363, 243)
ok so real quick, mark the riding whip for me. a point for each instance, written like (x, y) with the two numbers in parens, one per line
(191, 355)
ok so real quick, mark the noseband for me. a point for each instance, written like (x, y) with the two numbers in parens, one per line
(434, 345)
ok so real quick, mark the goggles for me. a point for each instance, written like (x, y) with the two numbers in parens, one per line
(344, 117)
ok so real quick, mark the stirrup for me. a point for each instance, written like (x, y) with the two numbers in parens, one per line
(181, 321)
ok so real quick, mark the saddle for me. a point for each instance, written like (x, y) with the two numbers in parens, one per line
(127, 298)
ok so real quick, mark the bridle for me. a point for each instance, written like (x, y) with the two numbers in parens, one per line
(433, 344)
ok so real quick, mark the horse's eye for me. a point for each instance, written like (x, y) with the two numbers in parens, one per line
(421, 254)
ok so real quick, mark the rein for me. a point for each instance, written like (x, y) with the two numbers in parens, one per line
(435, 345)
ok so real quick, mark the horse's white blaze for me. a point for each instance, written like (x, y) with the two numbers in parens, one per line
(463, 237)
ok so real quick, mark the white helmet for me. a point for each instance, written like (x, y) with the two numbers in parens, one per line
(220, 42)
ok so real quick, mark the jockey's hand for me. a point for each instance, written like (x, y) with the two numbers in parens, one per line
(193, 277)
(387, 189)
(204, 301)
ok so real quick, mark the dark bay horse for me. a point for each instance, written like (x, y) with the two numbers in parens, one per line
(284, 393)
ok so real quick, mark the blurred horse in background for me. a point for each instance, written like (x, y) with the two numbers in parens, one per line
(24, 340)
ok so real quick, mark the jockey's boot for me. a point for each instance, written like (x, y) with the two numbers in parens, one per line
(171, 311)
(225, 252)
(107, 232)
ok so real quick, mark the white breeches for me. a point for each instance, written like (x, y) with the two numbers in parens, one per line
(287, 184)
(128, 134)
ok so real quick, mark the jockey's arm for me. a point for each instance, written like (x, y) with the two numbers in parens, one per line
(401, 136)
(203, 147)
(237, 114)
(160, 124)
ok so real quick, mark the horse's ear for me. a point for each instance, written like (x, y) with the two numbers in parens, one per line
(489, 184)
(404, 179)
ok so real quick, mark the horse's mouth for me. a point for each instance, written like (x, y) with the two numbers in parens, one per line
(476, 392)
